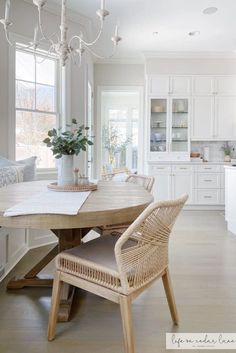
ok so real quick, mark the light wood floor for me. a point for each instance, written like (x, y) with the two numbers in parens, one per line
(203, 268)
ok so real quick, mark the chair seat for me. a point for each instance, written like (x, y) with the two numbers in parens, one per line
(94, 261)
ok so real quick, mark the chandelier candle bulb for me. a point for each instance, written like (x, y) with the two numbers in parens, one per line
(36, 30)
(117, 31)
(102, 4)
(63, 13)
(7, 10)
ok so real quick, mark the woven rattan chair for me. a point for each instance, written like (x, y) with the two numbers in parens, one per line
(120, 268)
(143, 180)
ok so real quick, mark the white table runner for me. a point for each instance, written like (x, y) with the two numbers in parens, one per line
(50, 202)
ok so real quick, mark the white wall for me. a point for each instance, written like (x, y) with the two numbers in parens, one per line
(118, 75)
(196, 66)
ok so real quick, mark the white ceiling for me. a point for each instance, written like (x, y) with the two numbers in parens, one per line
(173, 19)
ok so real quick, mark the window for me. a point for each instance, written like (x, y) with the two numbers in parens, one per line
(35, 104)
(120, 130)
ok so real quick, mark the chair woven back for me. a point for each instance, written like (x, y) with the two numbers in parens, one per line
(143, 180)
(148, 256)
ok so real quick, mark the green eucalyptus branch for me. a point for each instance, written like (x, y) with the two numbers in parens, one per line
(68, 142)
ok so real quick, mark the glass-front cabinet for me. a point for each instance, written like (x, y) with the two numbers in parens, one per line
(169, 129)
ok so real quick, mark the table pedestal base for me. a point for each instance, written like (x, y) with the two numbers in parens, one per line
(67, 238)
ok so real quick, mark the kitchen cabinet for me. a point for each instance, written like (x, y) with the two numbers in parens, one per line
(162, 186)
(173, 85)
(182, 182)
(172, 182)
(208, 185)
(225, 117)
(225, 85)
(203, 85)
(180, 85)
(159, 85)
(207, 85)
(204, 183)
(214, 108)
(211, 106)
(169, 128)
(202, 118)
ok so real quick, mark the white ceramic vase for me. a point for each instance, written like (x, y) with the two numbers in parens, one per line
(65, 170)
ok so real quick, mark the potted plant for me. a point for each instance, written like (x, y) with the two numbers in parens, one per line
(227, 151)
(64, 146)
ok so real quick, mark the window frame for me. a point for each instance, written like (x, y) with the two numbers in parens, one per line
(41, 172)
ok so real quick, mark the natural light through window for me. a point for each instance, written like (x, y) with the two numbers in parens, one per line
(36, 106)
(120, 130)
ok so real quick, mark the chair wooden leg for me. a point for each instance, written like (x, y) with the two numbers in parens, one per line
(57, 283)
(125, 307)
(170, 296)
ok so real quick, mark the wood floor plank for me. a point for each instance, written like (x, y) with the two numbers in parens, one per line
(203, 273)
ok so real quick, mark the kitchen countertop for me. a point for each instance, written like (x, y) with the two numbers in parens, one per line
(230, 167)
(192, 163)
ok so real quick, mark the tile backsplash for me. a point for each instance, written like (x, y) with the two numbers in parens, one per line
(216, 154)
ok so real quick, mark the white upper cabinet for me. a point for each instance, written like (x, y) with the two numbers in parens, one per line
(163, 85)
(180, 85)
(225, 124)
(225, 85)
(202, 118)
(203, 85)
(159, 85)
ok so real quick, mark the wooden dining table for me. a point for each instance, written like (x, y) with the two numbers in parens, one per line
(112, 203)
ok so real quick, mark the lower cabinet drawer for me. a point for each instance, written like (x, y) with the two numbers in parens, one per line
(153, 169)
(208, 180)
(208, 197)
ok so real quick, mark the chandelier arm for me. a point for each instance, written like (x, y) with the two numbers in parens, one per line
(87, 44)
(100, 56)
(42, 31)
(46, 57)
(7, 37)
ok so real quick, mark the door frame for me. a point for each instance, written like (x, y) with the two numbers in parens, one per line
(98, 152)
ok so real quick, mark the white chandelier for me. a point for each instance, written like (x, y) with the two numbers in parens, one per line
(60, 45)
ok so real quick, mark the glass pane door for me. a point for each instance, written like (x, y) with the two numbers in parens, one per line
(158, 125)
(180, 127)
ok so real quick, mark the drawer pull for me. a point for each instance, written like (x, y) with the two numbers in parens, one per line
(208, 180)
(208, 168)
(207, 197)
(183, 168)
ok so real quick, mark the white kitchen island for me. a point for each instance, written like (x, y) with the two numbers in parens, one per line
(230, 198)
